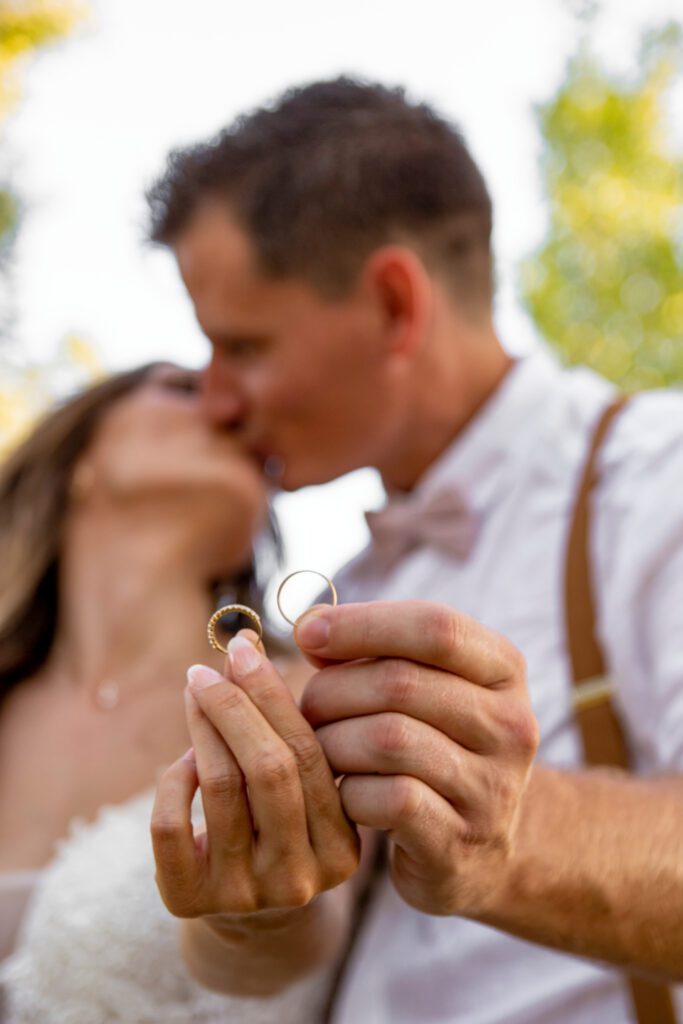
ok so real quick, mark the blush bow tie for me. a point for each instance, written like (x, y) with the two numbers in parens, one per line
(441, 520)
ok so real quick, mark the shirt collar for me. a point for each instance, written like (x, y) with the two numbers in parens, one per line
(497, 435)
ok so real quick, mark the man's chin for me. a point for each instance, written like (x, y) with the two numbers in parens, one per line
(296, 481)
(288, 476)
(289, 483)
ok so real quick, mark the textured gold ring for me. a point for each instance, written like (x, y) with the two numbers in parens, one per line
(242, 609)
(298, 573)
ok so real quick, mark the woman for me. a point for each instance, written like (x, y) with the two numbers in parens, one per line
(120, 519)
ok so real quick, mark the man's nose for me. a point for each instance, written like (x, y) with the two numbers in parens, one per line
(222, 402)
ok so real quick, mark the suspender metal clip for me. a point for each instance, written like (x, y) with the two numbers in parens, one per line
(589, 693)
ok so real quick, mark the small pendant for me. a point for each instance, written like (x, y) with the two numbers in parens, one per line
(107, 696)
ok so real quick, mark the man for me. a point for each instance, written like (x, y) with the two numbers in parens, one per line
(336, 247)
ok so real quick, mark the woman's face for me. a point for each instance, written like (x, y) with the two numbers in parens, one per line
(155, 454)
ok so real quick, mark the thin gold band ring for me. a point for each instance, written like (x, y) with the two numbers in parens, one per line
(298, 573)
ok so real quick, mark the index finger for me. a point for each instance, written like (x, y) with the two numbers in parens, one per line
(268, 692)
(421, 631)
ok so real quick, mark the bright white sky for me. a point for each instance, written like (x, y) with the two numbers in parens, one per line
(100, 113)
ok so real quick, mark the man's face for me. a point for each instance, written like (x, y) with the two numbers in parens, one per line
(308, 383)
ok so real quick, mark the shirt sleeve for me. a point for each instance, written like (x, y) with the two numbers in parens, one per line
(637, 549)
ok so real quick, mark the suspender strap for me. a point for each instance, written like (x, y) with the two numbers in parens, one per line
(603, 739)
(584, 650)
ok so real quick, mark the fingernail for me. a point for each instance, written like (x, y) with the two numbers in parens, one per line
(200, 676)
(244, 658)
(313, 629)
(189, 756)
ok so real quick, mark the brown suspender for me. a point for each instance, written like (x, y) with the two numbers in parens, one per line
(603, 739)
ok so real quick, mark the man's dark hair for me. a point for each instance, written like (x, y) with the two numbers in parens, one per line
(330, 172)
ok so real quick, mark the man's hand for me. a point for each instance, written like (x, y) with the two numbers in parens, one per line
(425, 713)
(276, 834)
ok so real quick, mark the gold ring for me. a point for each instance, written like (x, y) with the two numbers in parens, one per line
(226, 610)
(297, 573)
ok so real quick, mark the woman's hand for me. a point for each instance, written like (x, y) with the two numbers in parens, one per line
(276, 834)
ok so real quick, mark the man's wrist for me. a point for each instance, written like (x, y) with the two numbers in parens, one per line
(510, 873)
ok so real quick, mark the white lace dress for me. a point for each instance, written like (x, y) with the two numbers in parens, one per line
(97, 945)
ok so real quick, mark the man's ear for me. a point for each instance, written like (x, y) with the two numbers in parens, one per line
(400, 287)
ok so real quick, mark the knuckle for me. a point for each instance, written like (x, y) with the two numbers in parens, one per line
(314, 698)
(177, 899)
(266, 690)
(274, 769)
(239, 897)
(477, 835)
(523, 728)
(342, 858)
(242, 904)
(301, 892)
(519, 728)
(366, 629)
(345, 863)
(404, 798)
(310, 703)
(306, 750)
(179, 907)
(445, 630)
(166, 830)
(492, 830)
(291, 888)
(400, 682)
(516, 661)
(392, 734)
(529, 735)
(502, 796)
(229, 697)
(221, 782)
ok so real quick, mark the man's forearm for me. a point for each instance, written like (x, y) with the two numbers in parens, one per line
(263, 954)
(598, 869)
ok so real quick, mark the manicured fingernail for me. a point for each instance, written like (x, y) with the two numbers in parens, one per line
(189, 756)
(200, 676)
(313, 629)
(244, 658)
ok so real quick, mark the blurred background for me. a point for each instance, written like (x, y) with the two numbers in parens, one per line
(574, 111)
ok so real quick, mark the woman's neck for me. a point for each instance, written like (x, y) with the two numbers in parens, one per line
(133, 611)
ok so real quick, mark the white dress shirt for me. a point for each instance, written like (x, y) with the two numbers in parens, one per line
(517, 466)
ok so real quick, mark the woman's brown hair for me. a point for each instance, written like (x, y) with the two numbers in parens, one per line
(34, 497)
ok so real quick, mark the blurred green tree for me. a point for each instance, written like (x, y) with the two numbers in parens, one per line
(606, 285)
(26, 390)
(25, 26)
